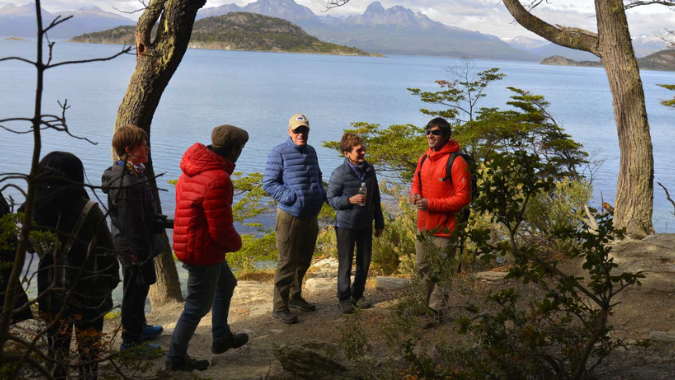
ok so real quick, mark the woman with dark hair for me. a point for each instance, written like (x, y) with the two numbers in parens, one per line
(78, 269)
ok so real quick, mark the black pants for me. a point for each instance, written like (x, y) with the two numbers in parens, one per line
(346, 239)
(88, 336)
(134, 296)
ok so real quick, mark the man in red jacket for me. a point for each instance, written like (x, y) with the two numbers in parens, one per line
(203, 234)
(438, 196)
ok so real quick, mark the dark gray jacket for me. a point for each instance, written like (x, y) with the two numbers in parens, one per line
(344, 183)
(134, 214)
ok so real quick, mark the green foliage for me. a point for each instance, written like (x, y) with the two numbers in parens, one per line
(394, 150)
(558, 210)
(671, 102)
(563, 335)
(461, 94)
(9, 229)
(254, 252)
(353, 338)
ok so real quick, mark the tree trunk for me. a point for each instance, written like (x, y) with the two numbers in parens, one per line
(156, 62)
(635, 187)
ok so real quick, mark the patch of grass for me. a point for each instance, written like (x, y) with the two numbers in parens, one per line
(258, 275)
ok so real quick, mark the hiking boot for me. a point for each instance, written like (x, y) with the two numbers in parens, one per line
(228, 341)
(187, 364)
(302, 305)
(285, 316)
(151, 332)
(346, 306)
(361, 303)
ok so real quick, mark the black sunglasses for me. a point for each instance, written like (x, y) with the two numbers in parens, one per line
(435, 132)
(300, 130)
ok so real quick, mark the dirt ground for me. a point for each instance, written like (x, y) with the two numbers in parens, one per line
(645, 312)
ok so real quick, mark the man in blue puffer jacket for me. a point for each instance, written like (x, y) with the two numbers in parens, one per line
(293, 178)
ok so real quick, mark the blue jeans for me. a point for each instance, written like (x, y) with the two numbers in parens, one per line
(207, 286)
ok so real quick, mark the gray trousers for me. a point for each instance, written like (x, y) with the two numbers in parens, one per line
(296, 241)
(435, 298)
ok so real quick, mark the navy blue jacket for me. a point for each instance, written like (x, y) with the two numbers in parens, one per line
(344, 183)
(293, 178)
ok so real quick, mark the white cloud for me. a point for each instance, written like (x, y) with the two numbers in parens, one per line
(486, 16)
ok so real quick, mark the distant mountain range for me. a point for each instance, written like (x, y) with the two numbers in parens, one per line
(395, 30)
(237, 31)
(644, 45)
(19, 21)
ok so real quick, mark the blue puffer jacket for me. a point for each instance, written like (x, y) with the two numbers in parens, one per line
(293, 178)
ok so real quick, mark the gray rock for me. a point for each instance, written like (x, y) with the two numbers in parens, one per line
(491, 276)
(318, 284)
(662, 336)
(391, 283)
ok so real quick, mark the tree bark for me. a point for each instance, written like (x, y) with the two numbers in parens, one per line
(612, 43)
(635, 187)
(156, 62)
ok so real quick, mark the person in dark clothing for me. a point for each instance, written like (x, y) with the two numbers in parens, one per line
(7, 255)
(78, 270)
(136, 227)
(354, 220)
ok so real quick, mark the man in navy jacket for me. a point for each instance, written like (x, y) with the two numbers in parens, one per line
(293, 178)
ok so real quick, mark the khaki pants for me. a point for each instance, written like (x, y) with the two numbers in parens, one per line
(435, 298)
(296, 241)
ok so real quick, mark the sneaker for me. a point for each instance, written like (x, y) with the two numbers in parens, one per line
(346, 306)
(285, 316)
(361, 303)
(187, 364)
(151, 332)
(141, 350)
(228, 341)
(301, 305)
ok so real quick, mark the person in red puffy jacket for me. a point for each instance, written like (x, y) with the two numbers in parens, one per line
(438, 196)
(203, 234)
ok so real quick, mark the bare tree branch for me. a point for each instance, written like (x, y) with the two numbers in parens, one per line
(573, 38)
(125, 50)
(637, 3)
(668, 196)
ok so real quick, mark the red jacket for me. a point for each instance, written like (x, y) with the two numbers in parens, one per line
(203, 228)
(445, 198)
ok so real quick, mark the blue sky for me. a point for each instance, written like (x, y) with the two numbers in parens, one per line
(487, 16)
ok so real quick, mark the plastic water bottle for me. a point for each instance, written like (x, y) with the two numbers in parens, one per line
(363, 190)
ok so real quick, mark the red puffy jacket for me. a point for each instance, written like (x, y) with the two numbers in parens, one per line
(445, 198)
(203, 228)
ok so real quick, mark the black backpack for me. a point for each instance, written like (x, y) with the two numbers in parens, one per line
(448, 175)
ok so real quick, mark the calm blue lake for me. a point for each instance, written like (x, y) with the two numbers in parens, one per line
(259, 92)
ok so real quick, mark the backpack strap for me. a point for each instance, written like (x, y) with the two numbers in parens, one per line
(62, 268)
(78, 226)
(419, 172)
(448, 166)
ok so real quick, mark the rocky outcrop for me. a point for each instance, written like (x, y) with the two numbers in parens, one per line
(663, 60)
(558, 60)
(239, 31)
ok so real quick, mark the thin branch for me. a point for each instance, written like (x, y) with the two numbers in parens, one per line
(18, 59)
(572, 38)
(125, 50)
(668, 196)
(639, 3)
(145, 6)
(330, 4)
